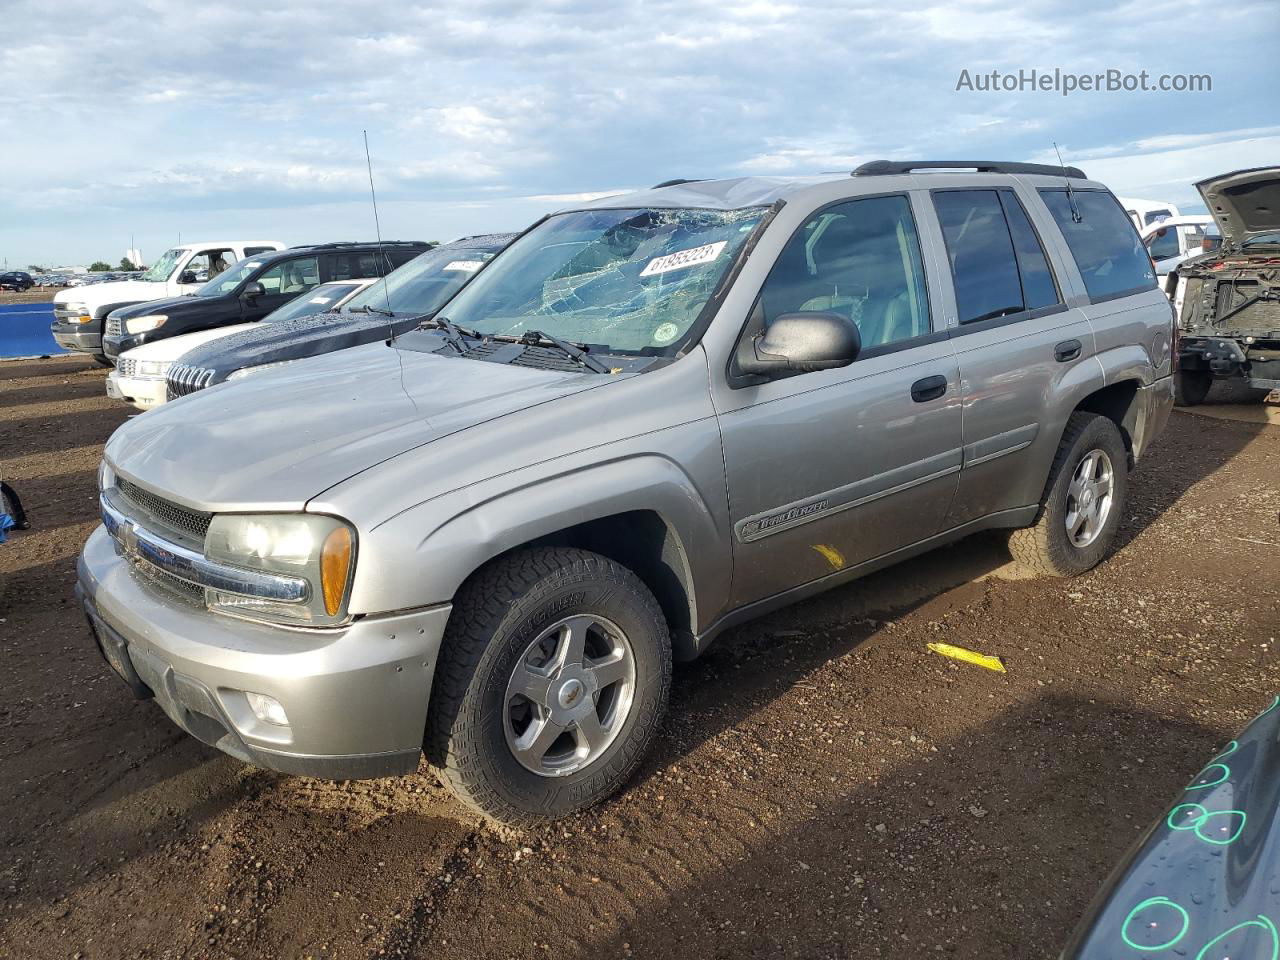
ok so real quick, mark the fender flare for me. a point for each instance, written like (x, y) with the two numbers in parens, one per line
(439, 543)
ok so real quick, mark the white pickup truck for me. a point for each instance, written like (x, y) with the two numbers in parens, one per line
(78, 313)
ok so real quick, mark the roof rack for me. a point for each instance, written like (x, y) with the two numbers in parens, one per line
(361, 243)
(884, 168)
(675, 183)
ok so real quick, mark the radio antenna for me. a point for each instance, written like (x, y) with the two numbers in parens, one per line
(1071, 197)
(383, 262)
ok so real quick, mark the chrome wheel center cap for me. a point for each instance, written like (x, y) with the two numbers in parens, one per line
(1087, 499)
(570, 693)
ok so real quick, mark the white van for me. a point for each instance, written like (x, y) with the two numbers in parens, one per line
(1143, 213)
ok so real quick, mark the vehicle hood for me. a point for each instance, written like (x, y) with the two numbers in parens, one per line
(114, 291)
(1205, 874)
(169, 305)
(1244, 204)
(177, 347)
(294, 339)
(274, 441)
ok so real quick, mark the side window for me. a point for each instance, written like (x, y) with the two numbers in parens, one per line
(1039, 289)
(253, 251)
(399, 256)
(207, 264)
(860, 259)
(1106, 248)
(353, 266)
(291, 276)
(1163, 243)
(980, 249)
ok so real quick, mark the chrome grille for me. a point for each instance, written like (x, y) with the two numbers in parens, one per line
(184, 589)
(183, 380)
(193, 523)
(115, 327)
(127, 367)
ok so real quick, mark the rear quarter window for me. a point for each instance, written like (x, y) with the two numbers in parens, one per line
(1106, 247)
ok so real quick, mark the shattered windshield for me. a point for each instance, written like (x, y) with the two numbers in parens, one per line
(629, 281)
(160, 270)
(420, 286)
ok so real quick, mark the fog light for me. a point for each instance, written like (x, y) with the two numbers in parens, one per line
(267, 709)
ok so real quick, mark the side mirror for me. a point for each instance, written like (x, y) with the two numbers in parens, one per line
(801, 343)
(188, 276)
(253, 290)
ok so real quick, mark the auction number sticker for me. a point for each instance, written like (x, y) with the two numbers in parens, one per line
(464, 266)
(683, 258)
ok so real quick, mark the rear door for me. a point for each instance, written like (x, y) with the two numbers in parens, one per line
(1015, 341)
(830, 469)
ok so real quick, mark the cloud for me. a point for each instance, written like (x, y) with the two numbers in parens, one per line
(491, 110)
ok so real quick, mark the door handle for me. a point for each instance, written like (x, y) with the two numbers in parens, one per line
(930, 388)
(1066, 350)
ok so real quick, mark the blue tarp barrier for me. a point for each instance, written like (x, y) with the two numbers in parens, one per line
(24, 331)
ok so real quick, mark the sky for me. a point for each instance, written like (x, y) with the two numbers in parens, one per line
(237, 120)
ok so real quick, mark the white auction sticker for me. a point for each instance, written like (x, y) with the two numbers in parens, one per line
(466, 266)
(321, 299)
(684, 258)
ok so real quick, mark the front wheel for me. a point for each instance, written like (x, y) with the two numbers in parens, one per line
(1083, 502)
(553, 676)
(102, 360)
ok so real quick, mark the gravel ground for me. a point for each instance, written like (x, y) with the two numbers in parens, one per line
(824, 786)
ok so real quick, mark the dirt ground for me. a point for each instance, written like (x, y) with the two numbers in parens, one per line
(34, 295)
(824, 786)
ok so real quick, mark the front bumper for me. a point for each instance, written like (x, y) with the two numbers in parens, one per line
(114, 344)
(143, 392)
(356, 697)
(76, 338)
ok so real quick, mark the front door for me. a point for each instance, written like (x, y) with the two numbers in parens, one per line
(283, 282)
(830, 469)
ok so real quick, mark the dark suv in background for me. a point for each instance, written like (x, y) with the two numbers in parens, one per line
(16, 280)
(253, 288)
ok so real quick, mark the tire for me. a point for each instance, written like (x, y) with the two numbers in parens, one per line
(1047, 547)
(476, 723)
(102, 360)
(1191, 387)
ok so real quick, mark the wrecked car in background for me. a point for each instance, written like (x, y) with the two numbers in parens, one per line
(1202, 882)
(1228, 301)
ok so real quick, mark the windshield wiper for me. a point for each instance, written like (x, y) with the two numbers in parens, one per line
(579, 353)
(453, 333)
(369, 308)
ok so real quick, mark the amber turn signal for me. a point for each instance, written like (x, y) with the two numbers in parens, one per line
(335, 568)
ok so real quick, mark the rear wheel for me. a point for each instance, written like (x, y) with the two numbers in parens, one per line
(1191, 387)
(1083, 502)
(553, 675)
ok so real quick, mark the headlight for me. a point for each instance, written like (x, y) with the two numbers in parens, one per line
(320, 549)
(106, 476)
(81, 311)
(260, 368)
(143, 324)
(153, 368)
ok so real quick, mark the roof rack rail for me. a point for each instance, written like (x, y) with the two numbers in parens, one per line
(360, 243)
(884, 168)
(676, 182)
